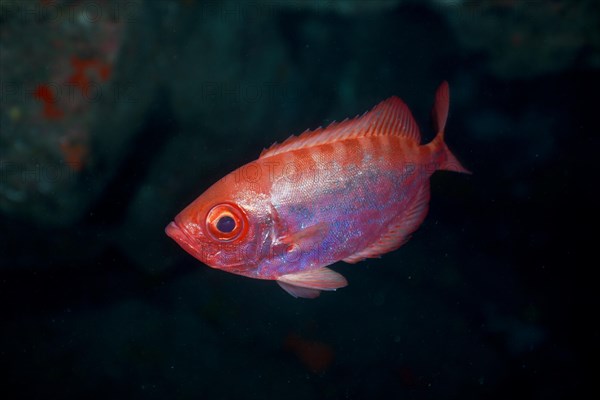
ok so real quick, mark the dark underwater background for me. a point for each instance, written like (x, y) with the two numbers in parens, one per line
(114, 115)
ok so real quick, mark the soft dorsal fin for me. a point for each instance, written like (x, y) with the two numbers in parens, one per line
(390, 117)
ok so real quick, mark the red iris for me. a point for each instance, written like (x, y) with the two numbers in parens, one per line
(226, 222)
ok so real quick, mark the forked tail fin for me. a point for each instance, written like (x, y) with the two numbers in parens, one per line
(442, 156)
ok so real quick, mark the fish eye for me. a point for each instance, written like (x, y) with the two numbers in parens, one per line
(226, 222)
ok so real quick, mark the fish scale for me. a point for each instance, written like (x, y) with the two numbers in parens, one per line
(353, 190)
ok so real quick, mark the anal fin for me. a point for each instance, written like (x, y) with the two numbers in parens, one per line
(400, 229)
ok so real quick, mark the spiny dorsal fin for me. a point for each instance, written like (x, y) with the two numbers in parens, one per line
(390, 117)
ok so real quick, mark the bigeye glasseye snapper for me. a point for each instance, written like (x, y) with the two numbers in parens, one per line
(354, 190)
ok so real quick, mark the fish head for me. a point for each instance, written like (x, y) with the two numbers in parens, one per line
(228, 227)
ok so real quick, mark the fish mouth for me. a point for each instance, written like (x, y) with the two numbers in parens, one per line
(203, 251)
(175, 232)
(180, 236)
(197, 249)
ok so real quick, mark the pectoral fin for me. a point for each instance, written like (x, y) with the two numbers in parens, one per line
(308, 284)
(307, 237)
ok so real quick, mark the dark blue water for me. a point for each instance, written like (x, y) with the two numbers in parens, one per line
(488, 300)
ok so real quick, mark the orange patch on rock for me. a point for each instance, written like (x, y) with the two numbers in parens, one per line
(46, 96)
(82, 68)
(74, 153)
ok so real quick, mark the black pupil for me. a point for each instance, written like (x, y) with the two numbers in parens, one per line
(225, 224)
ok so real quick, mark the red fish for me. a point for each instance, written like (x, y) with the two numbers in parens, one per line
(354, 190)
